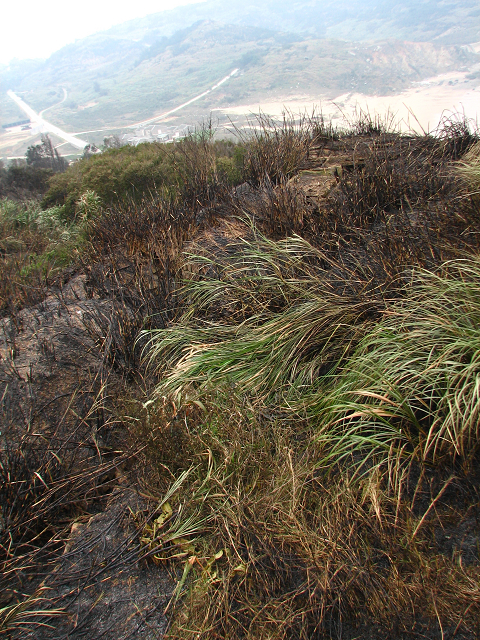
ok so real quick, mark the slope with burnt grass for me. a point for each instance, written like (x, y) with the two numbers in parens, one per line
(284, 375)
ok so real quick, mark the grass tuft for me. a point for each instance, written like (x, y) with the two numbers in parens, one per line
(469, 167)
(412, 389)
(287, 325)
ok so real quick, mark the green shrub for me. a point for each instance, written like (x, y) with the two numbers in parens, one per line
(29, 215)
(133, 173)
(88, 205)
(229, 170)
(35, 246)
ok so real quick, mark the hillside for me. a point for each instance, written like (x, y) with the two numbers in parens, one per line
(240, 372)
(114, 81)
(452, 22)
(302, 52)
(240, 389)
(238, 28)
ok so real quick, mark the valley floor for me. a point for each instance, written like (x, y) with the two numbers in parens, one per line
(421, 107)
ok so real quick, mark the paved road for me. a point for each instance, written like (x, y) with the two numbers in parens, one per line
(80, 144)
(46, 127)
(185, 104)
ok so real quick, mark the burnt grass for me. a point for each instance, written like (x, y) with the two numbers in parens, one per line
(83, 465)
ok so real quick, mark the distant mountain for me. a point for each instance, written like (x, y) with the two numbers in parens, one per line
(148, 66)
(448, 21)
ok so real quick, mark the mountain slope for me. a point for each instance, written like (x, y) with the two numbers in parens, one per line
(450, 21)
(114, 81)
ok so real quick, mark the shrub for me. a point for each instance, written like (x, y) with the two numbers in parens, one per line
(20, 180)
(35, 246)
(186, 170)
(88, 206)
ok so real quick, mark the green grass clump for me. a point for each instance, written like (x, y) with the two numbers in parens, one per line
(270, 324)
(290, 324)
(409, 390)
(469, 168)
(412, 389)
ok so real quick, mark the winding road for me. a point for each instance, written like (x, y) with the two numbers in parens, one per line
(78, 143)
(56, 104)
(185, 104)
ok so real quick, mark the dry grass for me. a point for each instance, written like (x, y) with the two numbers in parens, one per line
(270, 529)
(297, 543)
(275, 150)
(48, 478)
(288, 552)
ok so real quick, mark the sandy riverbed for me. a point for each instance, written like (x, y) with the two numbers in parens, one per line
(421, 106)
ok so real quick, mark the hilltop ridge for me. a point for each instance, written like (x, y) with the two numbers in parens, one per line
(301, 444)
(453, 22)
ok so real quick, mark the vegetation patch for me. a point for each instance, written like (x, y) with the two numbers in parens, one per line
(36, 246)
(284, 369)
(140, 172)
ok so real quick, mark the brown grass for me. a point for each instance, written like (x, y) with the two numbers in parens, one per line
(289, 552)
(278, 548)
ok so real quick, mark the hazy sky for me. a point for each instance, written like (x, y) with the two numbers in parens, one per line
(37, 28)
